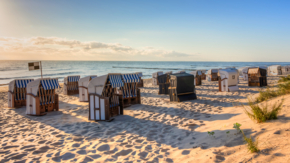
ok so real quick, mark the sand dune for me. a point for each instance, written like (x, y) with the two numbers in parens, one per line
(155, 131)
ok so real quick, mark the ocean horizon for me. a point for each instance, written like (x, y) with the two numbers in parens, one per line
(18, 69)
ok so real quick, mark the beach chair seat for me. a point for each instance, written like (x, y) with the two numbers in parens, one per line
(70, 85)
(228, 80)
(257, 77)
(41, 96)
(163, 81)
(17, 92)
(105, 97)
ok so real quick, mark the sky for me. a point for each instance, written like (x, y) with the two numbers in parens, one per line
(130, 30)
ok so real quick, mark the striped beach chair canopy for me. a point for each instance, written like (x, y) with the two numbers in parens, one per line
(49, 84)
(73, 78)
(130, 78)
(19, 83)
(116, 80)
(22, 83)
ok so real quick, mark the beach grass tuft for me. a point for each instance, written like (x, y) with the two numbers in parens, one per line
(252, 145)
(262, 113)
(284, 79)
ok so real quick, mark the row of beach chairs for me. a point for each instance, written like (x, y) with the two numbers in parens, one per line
(107, 95)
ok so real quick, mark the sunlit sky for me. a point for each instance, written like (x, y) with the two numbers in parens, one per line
(150, 30)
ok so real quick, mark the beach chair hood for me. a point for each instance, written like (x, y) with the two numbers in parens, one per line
(71, 79)
(212, 71)
(47, 84)
(20, 83)
(97, 84)
(231, 75)
(84, 82)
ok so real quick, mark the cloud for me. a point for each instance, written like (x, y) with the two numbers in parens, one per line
(56, 46)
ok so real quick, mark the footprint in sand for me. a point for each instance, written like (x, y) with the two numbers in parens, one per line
(104, 147)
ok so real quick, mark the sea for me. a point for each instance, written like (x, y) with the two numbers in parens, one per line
(10, 70)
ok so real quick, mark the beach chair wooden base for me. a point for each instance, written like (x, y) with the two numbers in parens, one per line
(259, 82)
(140, 84)
(198, 81)
(70, 92)
(180, 97)
(15, 103)
(43, 109)
(163, 88)
(127, 102)
(100, 109)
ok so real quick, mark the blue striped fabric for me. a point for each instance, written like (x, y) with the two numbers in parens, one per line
(130, 78)
(73, 78)
(22, 83)
(48, 84)
(116, 81)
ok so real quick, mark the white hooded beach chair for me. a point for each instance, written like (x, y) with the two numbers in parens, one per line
(83, 88)
(41, 96)
(285, 70)
(70, 85)
(105, 99)
(17, 92)
(131, 93)
(274, 70)
(155, 76)
(228, 81)
(197, 77)
(212, 75)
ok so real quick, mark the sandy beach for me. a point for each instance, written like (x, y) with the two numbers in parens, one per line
(155, 131)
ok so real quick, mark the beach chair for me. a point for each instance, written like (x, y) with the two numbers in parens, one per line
(244, 72)
(257, 77)
(70, 85)
(41, 96)
(168, 72)
(285, 70)
(105, 97)
(131, 93)
(274, 70)
(163, 81)
(83, 88)
(212, 75)
(228, 80)
(181, 87)
(140, 83)
(203, 75)
(155, 76)
(197, 77)
(17, 92)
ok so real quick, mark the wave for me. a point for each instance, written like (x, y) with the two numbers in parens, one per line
(44, 75)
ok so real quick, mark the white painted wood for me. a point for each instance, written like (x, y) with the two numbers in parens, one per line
(102, 108)
(97, 115)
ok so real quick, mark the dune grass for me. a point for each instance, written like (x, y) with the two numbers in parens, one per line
(267, 94)
(252, 145)
(283, 88)
(262, 113)
(284, 79)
